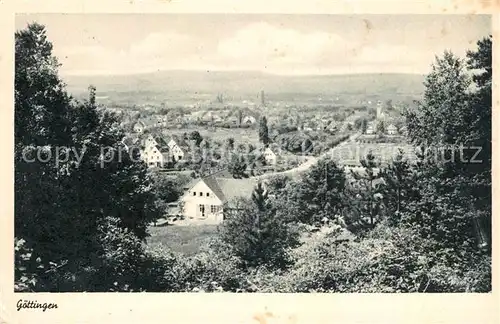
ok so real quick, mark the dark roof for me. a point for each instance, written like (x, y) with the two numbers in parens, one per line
(160, 140)
(129, 140)
(162, 149)
(180, 141)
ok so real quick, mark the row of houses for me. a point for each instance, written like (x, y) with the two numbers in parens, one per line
(196, 117)
(160, 152)
(390, 130)
(156, 151)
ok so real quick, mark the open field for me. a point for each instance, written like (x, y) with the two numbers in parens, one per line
(182, 239)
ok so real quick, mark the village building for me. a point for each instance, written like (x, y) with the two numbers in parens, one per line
(249, 120)
(270, 157)
(370, 129)
(156, 156)
(178, 148)
(152, 140)
(205, 198)
(391, 130)
(139, 127)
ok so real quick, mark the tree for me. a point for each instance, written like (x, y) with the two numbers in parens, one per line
(367, 198)
(381, 127)
(237, 166)
(318, 194)
(239, 116)
(230, 144)
(364, 125)
(84, 180)
(196, 138)
(441, 117)
(456, 121)
(399, 182)
(263, 131)
(41, 101)
(257, 234)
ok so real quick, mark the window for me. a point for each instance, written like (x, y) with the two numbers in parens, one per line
(214, 209)
(201, 193)
(208, 194)
(194, 193)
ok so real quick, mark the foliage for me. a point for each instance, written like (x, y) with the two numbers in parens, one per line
(388, 260)
(64, 199)
(237, 166)
(257, 235)
(381, 127)
(196, 138)
(367, 195)
(319, 193)
(263, 131)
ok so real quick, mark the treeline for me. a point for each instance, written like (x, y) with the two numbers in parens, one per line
(413, 226)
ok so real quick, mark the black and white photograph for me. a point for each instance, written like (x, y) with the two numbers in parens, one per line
(252, 153)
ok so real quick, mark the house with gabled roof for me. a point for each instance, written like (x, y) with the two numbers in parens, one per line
(270, 157)
(178, 148)
(206, 197)
(370, 128)
(155, 140)
(139, 127)
(156, 156)
(249, 120)
(391, 130)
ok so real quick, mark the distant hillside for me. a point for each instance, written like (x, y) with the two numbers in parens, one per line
(250, 82)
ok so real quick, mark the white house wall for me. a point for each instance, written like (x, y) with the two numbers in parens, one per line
(191, 208)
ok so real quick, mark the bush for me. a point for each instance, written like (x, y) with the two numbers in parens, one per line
(387, 260)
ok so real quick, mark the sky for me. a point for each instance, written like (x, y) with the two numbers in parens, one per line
(110, 44)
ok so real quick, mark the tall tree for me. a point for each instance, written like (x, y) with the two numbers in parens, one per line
(381, 127)
(196, 138)
(367, 193)
(72, 174)
(318, 194)
(441, 117)
(257, 234)
(237, 166)
(263, 131)
(399, 182)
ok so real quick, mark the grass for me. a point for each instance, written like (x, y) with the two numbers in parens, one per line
(182, 239)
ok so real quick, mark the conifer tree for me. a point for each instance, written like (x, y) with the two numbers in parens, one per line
(367, 194)
(263, 131)
(257, 235)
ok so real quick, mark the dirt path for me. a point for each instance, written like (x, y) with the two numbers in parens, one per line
(311, 160)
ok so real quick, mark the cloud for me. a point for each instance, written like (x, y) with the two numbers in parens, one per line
(266, 46)
(272, 48)
(257, 46)
(155, 51)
